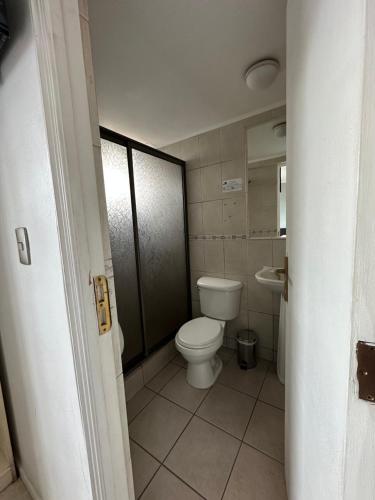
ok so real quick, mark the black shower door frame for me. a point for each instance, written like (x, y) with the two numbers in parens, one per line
(130, 145)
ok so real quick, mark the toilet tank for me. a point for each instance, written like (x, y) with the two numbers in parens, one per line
(219, 298)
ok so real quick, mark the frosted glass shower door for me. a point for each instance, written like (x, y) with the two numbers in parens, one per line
(123, 247)
(159, 206)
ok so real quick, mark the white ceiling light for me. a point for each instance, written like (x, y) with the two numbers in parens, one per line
(261, 74)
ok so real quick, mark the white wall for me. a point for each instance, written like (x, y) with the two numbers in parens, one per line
(324, 90)
(35, 339)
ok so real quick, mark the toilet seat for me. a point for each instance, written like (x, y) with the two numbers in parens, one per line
(199, 333)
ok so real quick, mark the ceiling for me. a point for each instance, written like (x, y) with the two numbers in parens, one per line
(169, 69)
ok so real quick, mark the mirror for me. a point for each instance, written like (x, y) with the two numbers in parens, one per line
(266, 175)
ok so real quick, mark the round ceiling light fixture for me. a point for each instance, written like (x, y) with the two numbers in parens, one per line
(261, 74)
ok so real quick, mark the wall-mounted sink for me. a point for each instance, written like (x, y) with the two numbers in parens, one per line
(272, 278)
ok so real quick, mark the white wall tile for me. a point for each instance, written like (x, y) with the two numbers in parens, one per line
(214, 256)
(230, 342)
(235, 253)
(278, 252)
(233, 169)
(259, 254)
(194, 276)
(259, 297)
(212, 217)
(237, 324)
(194, 185)
(196, 309)
(234, 216)
(189, 152)
(262, 324)
(195, 218)
(264, 353)
(209, 147)
(196, 255)
(211, 182)
(232, 142)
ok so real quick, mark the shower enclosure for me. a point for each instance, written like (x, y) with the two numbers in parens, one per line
(146, 204)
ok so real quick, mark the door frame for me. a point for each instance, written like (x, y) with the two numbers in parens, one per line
(56, 25)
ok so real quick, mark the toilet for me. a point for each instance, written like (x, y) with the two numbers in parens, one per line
(198, 340)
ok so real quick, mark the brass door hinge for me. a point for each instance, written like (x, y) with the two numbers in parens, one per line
(366, 371)
(103, 307)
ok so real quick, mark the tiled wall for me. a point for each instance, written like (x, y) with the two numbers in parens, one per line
(218, 227)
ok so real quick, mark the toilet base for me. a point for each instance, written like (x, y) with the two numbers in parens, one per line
(203, 375)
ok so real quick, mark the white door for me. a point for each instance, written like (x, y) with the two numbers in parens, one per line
(330, 432)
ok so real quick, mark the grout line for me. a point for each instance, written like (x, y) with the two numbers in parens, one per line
(174, 444)
(149, 482)
(176, 404)
(263, 453)
(182, 480)
(195, 414)
(146, 451)
(219, 428)
(138, 412)
(167, 382)
(242, 440)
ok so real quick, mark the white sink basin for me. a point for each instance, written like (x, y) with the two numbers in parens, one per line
(272, 278)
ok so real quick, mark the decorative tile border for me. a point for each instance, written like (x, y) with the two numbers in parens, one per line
(258, 236)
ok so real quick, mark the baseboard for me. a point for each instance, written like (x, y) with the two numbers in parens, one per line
(28, 485)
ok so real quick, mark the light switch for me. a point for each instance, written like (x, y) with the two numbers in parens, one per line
(23, 246)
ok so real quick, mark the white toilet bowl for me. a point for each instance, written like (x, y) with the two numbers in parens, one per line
(198, 341)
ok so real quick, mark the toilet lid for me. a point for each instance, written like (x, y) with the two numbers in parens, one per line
(199, 332)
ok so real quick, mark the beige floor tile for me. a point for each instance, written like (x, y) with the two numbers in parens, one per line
(159, 381)
(179, 360)
(247, 381)
(266, 430)
(15, 491)
(158, 426)
(138, 402)
(228, 409)
(255, 477)
(166, 486)
(183, 394)
(144, 467)
(203, 458)
(273, 392)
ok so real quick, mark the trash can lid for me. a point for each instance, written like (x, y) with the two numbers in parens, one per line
(247, 337)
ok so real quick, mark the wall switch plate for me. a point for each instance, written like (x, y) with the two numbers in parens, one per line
(23, 246)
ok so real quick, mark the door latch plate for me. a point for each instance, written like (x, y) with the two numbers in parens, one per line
(103, 308)
(366, 370)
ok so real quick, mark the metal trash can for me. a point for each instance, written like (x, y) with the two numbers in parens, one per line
(246, 349)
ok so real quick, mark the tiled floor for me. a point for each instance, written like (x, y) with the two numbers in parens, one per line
(223, 443)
